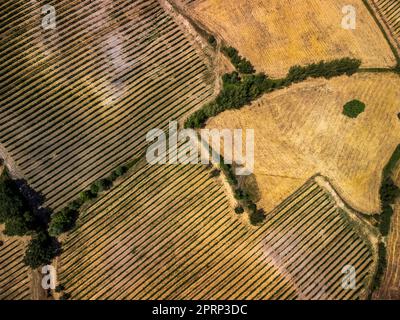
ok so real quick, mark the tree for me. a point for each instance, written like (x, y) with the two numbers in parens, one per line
(257, 217)
(353, 108)
(14, 210)
(75, 205)
(19, 225)
(62, 221)
(86, 195)
(41, 250)
(94, 189)
(239, 210)
(121, 170)
(103, 184)
(11, 202)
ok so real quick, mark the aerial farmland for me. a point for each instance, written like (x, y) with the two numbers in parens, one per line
(200, 150)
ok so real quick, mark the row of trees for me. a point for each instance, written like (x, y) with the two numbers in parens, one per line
(240, 89)
(241, 64)
(256, 216)
(65, 219)
(389, 192)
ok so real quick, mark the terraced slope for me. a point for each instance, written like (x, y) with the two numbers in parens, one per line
(168, 232)
(14, 275)
(77, 101)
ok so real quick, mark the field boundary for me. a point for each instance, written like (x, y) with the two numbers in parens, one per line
(395, 51)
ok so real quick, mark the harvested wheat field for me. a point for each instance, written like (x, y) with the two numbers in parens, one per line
(278, 34)
(15, 276)
(390, 287)
(168, 232)
(300, 131)
(77, 101)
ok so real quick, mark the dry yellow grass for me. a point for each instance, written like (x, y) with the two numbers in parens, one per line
(277, 34)
(300, 131)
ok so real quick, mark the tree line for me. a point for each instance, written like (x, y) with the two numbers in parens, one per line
(240, 89)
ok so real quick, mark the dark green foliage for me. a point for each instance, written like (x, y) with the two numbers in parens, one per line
(19, 225)
(382, 264)
(94, 189)
(228, 171)
(215, 173)
(231, 78)
(62, 221)
(113, 176)
(241, 195)
(241, 64)
(86, 195)
(324, 69)
(251, 206)
(103, 185)
(75, 205)
(238, 91)
(14, 210)
(353, 108)
(41, 250)
(11, 203)
(394, 159)
(59, 288)
(121, 170)
(389, 191)
(388, 194)
(196, 119)
(212, 41)
(257, 217)
(239, 210)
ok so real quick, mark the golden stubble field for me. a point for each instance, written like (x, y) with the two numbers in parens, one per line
(277, 34)
(301, 131)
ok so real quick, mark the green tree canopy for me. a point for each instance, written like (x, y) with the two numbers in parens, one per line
(353, 108)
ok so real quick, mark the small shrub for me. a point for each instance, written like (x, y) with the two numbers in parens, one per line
(215, 173)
